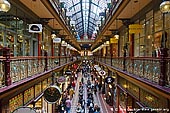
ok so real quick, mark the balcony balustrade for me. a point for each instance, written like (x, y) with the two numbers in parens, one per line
(25, 67)
(147, 69)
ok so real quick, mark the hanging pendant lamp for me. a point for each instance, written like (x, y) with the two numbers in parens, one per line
(4, 6)
(165, 7)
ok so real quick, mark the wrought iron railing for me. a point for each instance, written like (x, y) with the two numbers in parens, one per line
(148, 69)
(25, 67)
(2, 79)
(168, 71)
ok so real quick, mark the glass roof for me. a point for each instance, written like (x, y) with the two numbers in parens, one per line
(85, 15)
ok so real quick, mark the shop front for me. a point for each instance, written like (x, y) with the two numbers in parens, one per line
(131, 97)
(29, 97)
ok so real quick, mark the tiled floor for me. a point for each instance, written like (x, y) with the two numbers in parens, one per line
(98, 99)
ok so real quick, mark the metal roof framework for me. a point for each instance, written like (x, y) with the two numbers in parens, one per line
(85, 13)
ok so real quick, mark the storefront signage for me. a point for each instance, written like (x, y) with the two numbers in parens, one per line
(102, 72)
(35, 28)
(109, 80)
(135, 28)
(56, 40)
(68, 72)
(52, 94)
(61, 79)
(113, 40)
(24, 110)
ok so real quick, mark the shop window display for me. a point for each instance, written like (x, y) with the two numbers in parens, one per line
(122, 100)
(27, 47)
(142, 46)
(148, 42)
(149, 33)
(158, 21)
(136, 45)
(10, 43)
(15, 102)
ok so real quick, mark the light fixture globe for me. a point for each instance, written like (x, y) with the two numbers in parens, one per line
(165, 7)
(53, 34)
(116, 36)
(4, 6)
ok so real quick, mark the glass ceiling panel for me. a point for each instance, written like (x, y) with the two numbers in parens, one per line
(91, 19)
(79, 20)
(85, 13)
(90, 24)
(92, 15)
(75, 1)
(78, 7)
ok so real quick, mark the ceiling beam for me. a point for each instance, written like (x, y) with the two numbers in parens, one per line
(82, 14)
(73, 6)
(90, 2)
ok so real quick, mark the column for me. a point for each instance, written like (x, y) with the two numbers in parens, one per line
(163, 55)
(6, 54)
(46, 61)
(111, 52)
(126, 23)
(163, 67)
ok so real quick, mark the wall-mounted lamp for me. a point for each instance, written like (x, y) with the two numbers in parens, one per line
(4, 6)
(165, 7)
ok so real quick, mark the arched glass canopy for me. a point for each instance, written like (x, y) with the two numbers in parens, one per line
(85, 15)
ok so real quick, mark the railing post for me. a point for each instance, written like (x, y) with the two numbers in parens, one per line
(46, 61)
(124, 57)
(6, 54)
(163, 67)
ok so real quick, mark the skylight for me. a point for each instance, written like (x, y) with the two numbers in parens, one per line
(85, 13)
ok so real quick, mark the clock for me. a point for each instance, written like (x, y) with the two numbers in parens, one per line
(52, 94)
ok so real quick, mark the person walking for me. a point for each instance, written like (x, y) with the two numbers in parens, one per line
(96, 109)
(79, 108)
(68, 105)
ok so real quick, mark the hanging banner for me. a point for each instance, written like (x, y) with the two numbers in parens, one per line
(109, 80)
(68, 72)
(102, 72)
(52, 94)
(35, 28)
(56, 40)
(135, 28)
(61, 79)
